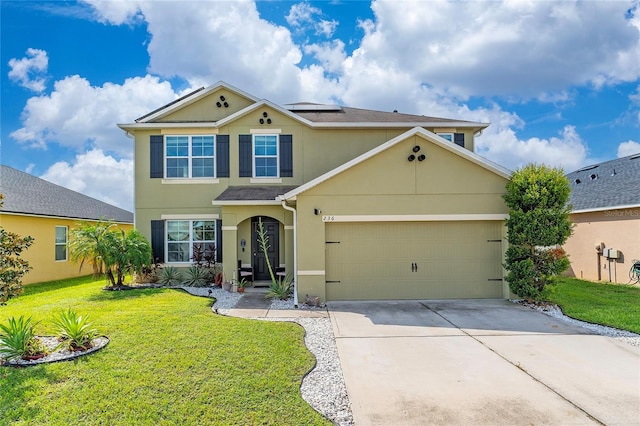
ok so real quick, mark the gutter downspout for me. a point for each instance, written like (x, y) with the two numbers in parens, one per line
(295, 250)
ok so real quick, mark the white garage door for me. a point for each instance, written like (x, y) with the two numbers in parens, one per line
(413, 260)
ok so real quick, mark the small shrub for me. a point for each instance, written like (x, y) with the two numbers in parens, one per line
(281, 289)
(18, 339)
(74, 330)
(197, 276)
(170, 276)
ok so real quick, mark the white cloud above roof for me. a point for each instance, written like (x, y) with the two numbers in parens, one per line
(30, 71)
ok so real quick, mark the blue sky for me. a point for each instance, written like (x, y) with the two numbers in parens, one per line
(559, 81)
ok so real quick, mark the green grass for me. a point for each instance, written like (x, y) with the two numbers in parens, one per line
(170, 361)
(608, 304)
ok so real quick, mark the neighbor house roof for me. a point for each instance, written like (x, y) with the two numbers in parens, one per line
(253, 195)
(30, 195)
(608, 185)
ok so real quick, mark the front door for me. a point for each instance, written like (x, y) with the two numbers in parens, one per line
(272, 232)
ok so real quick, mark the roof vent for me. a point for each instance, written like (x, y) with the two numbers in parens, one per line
(593, 176)
(613, 173)
(635, 157)
(588, 168)
(577, 181)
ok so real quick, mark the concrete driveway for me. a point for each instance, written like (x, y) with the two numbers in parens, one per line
(480, 362)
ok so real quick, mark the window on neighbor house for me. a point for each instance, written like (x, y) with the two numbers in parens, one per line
(190, 156)
(183, 236)
(265, 156)
(61, 243)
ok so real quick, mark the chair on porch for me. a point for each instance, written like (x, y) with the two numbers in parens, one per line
(245, 270)
(280, 271)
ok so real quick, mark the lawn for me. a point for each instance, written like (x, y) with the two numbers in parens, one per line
(608, 304)
(170, 361)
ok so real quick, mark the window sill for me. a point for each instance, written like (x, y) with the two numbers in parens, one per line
(266, 180)
(190, 181)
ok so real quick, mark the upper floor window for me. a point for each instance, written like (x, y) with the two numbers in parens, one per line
(61, 243)
(185, 235)
(190, 156)
(265, 156)
(457, 138)
(447, 136)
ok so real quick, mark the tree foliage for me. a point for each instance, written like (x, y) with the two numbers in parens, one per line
(110, 249)
(12, 266)
(537, 197)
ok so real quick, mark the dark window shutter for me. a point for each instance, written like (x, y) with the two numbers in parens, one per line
(157, 239)
(246, 158)
(286, 156)
(458, 139)
(218, 241)
(157, 156)
(222, 156)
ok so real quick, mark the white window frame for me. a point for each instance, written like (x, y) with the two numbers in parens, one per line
(190, 157)
(190, 240)
(253, 156)
(447, 135)
(61, 244)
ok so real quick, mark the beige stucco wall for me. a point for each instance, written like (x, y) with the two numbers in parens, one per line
(619, 229)
(388, 184)
(206, 109)
(41, 255)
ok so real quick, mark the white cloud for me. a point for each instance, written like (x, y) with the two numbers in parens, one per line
(115, 11)
(97, 175)
(30, 71)
(330, 54)
(509, 48)
(502, 146)
(628, 148)
(302, 14)
(78, 115)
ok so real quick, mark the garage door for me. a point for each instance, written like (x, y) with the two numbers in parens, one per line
(413, 260)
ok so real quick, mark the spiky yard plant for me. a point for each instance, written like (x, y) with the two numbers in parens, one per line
(197, 276)
(18, 339)
(281, 289)
(75, 331)
(170, 277)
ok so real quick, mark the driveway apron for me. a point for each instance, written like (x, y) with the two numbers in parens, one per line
(480, 362)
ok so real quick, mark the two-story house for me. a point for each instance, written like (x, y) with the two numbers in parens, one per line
(358, 204)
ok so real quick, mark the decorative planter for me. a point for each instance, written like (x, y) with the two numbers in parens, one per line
(226, 285)
(240, 289)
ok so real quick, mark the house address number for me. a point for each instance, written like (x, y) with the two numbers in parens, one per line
(328, 218)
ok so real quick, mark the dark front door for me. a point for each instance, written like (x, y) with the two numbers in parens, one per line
(272, 231)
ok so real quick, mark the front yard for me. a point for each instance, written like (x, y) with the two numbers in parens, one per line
(170, 361)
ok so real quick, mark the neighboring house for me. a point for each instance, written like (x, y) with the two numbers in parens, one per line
(358, 204)
(45, 211)
(606, 213)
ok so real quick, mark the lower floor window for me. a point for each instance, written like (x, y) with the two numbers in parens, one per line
(61, 243)
(188, 238)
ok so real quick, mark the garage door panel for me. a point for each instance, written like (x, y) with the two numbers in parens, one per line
(374, 260)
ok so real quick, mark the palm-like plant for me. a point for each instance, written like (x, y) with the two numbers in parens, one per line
(74, 330)
(110, 249)
(18, 339)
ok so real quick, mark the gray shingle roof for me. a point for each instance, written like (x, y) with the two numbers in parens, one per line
(27, 194)
(253, 193)
(358, 115)
(610, 184)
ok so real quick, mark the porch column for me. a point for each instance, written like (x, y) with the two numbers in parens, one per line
(229, 247)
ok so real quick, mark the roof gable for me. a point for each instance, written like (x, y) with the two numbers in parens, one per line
(222, 93)
(27, 194)
(611, 184)
(416, 132)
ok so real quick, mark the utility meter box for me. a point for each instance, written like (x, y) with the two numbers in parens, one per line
(611, 253)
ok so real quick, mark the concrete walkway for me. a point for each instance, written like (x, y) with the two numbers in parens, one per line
(480, 362)
(254, 305)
